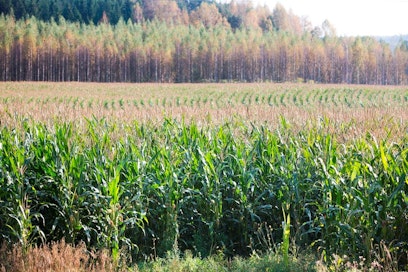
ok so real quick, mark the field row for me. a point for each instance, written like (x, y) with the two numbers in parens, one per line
(232, 168)
(126, 96)
(381, 111)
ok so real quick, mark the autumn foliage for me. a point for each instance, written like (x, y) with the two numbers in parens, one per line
(171, 41)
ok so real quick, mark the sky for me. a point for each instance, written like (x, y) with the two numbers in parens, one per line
(352, 17)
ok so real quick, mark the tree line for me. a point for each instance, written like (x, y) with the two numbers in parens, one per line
(93, 11)
(255, 46)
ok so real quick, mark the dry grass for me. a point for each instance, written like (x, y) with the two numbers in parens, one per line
(57, 257)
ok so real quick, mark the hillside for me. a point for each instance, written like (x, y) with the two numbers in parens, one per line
(393, 41)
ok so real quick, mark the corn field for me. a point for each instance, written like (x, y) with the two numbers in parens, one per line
(234, 185)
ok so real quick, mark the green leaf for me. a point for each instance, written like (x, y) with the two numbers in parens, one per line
(383, 157)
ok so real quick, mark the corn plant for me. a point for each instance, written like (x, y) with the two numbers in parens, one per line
(154, 188)
(20, 221)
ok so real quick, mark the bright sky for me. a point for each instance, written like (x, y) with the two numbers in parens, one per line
(352, 17)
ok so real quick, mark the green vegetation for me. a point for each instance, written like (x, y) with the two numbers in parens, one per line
(154, 189)
(95, 11)
(325, 185)
(209, 177)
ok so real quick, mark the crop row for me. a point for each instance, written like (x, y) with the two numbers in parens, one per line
(175, 186)
(379, 110)
(302, 98)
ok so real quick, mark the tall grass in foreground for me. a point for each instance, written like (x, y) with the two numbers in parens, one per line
(62, 257)
(145, 190)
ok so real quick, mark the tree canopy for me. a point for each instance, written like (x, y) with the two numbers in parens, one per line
(184, 41)
(235, 14)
